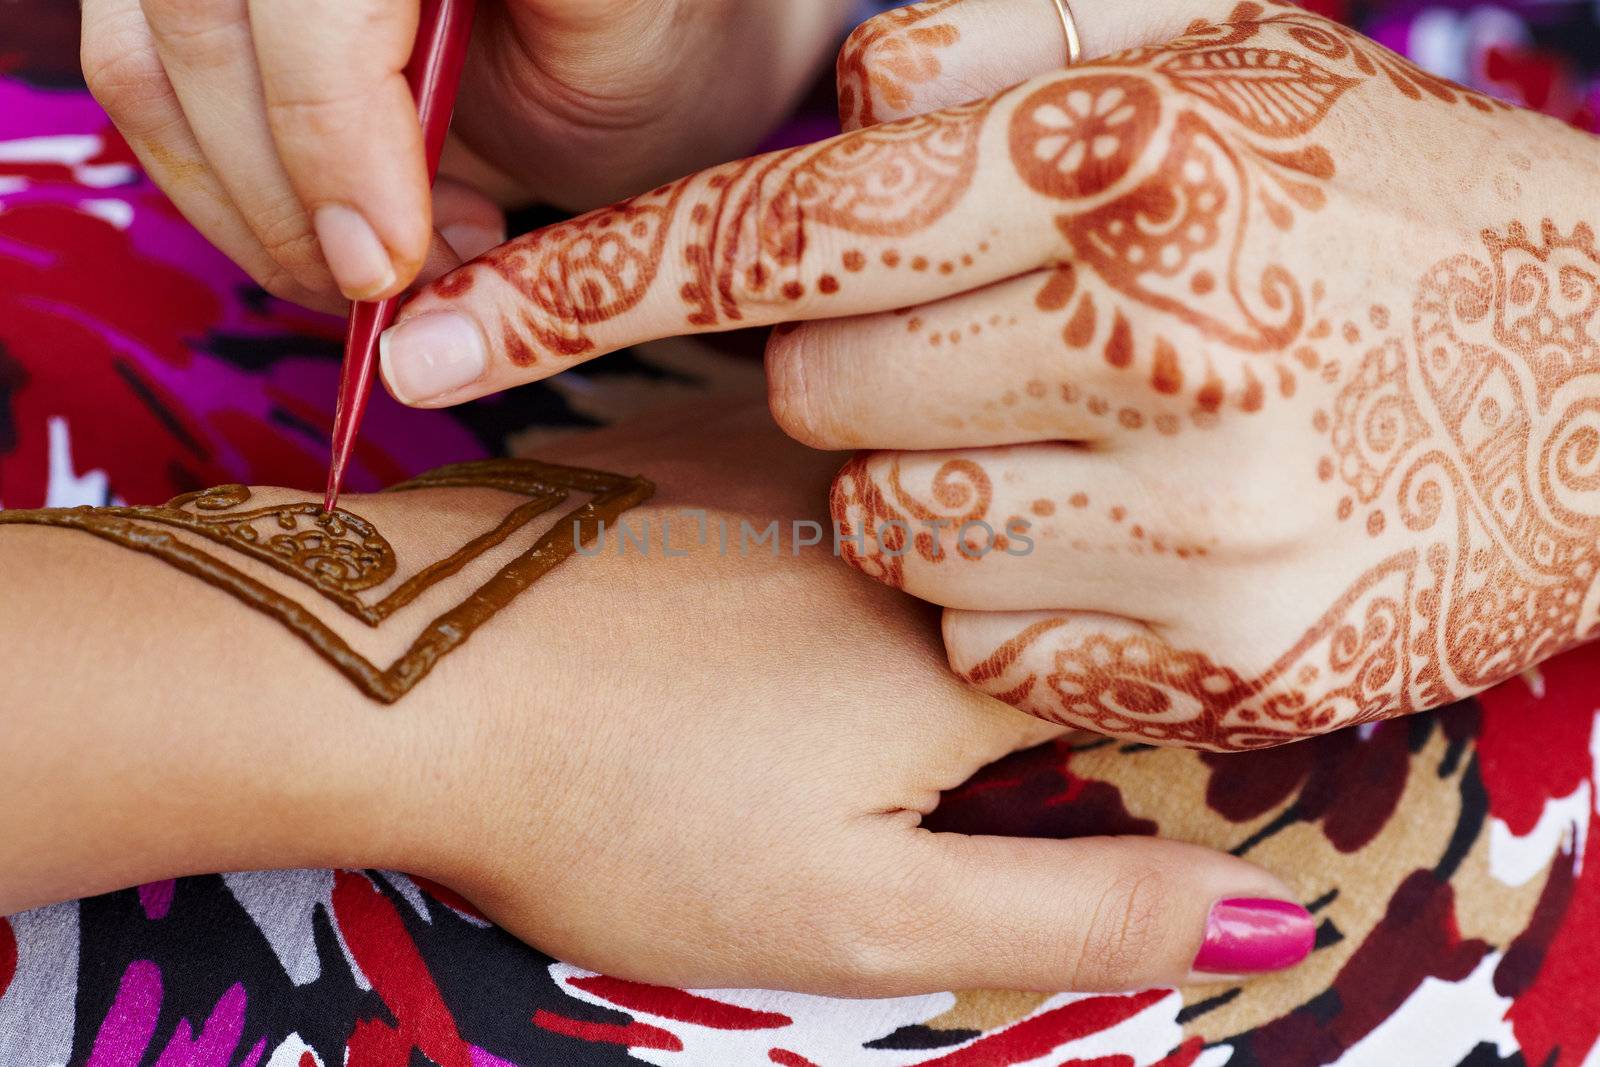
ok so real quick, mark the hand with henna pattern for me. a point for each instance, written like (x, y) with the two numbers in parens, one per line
(704, 765)
(1237, 385)
(284, 130)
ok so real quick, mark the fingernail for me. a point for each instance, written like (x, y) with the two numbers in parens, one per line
(427, 358)
(358, 259)
(469, 241)
(1249, 935)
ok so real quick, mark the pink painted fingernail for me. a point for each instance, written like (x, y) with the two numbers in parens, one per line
(1250, 935)
(359, 261)
(427, 358)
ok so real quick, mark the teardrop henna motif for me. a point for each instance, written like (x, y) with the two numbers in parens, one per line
(1173, 164)
(341, 555)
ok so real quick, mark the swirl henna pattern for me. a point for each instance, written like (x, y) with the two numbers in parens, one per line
(602, 265)
(878, 526)
(1169, 231)
(1469, 452)
(340, 555)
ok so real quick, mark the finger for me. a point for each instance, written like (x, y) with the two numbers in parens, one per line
(868, 222)
(928, 56)
(1122, 678)
(346, 129)
(1037, 358)
(441, 260)
(930, 912)
(1037, 527)
(209, 58)
(470, 222)
(124, 72)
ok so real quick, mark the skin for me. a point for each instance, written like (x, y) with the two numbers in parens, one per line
(285, 132)
(564, 770)
(1297, 432)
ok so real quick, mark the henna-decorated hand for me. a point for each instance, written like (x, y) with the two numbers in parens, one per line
(283, 129)
(1273, 361)
(705, 768)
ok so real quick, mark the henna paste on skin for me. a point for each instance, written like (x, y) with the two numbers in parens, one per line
(340, 555)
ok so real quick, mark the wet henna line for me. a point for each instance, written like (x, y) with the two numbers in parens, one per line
(341, 594)
(613, 495)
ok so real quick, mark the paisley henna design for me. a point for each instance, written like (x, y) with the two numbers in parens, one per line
(1169, 231)
(747, 230)
(341, 555)
(601, 266)
(1468, 451)
(1345, 670)
(1337, 42)
(752, 221)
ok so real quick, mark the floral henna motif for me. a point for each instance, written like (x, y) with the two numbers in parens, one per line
(1173, 160)
(1169, 231)
(1471, 446)
(888, 57)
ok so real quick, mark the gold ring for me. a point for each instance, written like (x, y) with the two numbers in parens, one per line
(1069, 25)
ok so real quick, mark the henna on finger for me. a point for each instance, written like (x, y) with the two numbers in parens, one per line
(1158, 179)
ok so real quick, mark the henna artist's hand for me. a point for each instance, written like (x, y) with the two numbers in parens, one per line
(283, 129)
(704, 768)
(1272, 359)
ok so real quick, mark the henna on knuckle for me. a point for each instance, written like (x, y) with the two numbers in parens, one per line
(809, 412)
(883, 523)
(790, 231)
(1125, 930)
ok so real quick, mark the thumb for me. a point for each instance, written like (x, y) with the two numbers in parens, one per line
(1086, 915)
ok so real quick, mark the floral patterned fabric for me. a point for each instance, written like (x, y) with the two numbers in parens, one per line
(1451, 859)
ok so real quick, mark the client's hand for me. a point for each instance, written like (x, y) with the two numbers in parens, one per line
(709, 771)
(283, 129)
(1251, 374)
(704, 769)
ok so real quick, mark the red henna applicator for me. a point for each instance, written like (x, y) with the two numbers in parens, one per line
(434, 74)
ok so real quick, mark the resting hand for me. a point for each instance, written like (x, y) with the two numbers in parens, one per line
(284, 130)
(1269, 359)
(704, 769)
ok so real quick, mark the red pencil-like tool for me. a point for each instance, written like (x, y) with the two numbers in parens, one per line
(434, 74)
